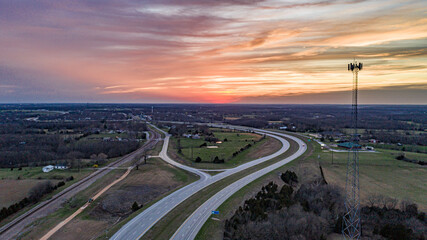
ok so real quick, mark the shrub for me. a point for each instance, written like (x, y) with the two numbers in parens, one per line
(217, 160)
(70, 178)
(198, 159)
(135, 206)
(289, 177)
(396, 232)
(37, 192)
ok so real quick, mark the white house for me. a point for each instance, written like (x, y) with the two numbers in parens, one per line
(48, 168)
(60, 167)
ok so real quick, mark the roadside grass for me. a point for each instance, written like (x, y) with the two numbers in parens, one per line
(156, 150)
(167, 226)
(225, 150)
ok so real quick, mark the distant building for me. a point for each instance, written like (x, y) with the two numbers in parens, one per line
(48, 168)
(315, 135)
(349, 145)
(283, 128)
(188, 135)
(61, 166)
(332, 134)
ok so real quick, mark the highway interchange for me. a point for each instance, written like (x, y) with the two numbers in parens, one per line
(140, 224)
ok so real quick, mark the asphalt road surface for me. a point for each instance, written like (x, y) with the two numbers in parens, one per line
(140, 224)
(10, 230)
(193, 224)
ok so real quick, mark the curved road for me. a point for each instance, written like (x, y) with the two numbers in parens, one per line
(192, 225)
(140, 224)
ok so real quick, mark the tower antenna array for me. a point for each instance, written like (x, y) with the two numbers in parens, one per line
(351, 220)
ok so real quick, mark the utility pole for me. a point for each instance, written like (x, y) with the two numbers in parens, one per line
(351, 228)
(332, 156)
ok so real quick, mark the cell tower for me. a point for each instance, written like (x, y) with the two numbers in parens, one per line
(351, 220)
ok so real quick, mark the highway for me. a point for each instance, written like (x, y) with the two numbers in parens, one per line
(192, 225)
(11, 229)
(140, 224)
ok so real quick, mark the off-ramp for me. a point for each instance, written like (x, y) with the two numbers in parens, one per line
(140, 224)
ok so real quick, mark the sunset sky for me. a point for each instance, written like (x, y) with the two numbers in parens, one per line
(224, 51)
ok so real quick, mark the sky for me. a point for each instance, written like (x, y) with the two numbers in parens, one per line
(228, 51)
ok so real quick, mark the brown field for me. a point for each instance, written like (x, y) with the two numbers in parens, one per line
(13, 191)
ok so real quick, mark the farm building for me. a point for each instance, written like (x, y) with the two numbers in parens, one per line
(47, 168)
(349, 145)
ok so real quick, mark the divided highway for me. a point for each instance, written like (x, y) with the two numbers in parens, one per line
(193, 224)
(140, 224)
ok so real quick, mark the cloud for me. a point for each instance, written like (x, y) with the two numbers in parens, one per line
(408, 94)
(206, 51)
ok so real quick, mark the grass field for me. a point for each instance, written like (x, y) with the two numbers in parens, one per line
(37, 173)
(225, 149)
(407, 148)
(381, 173)
(15, 190)
(235, 141)
(17, 183)
(21, 188)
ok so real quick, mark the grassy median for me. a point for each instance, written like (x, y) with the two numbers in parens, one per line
(167, 226)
